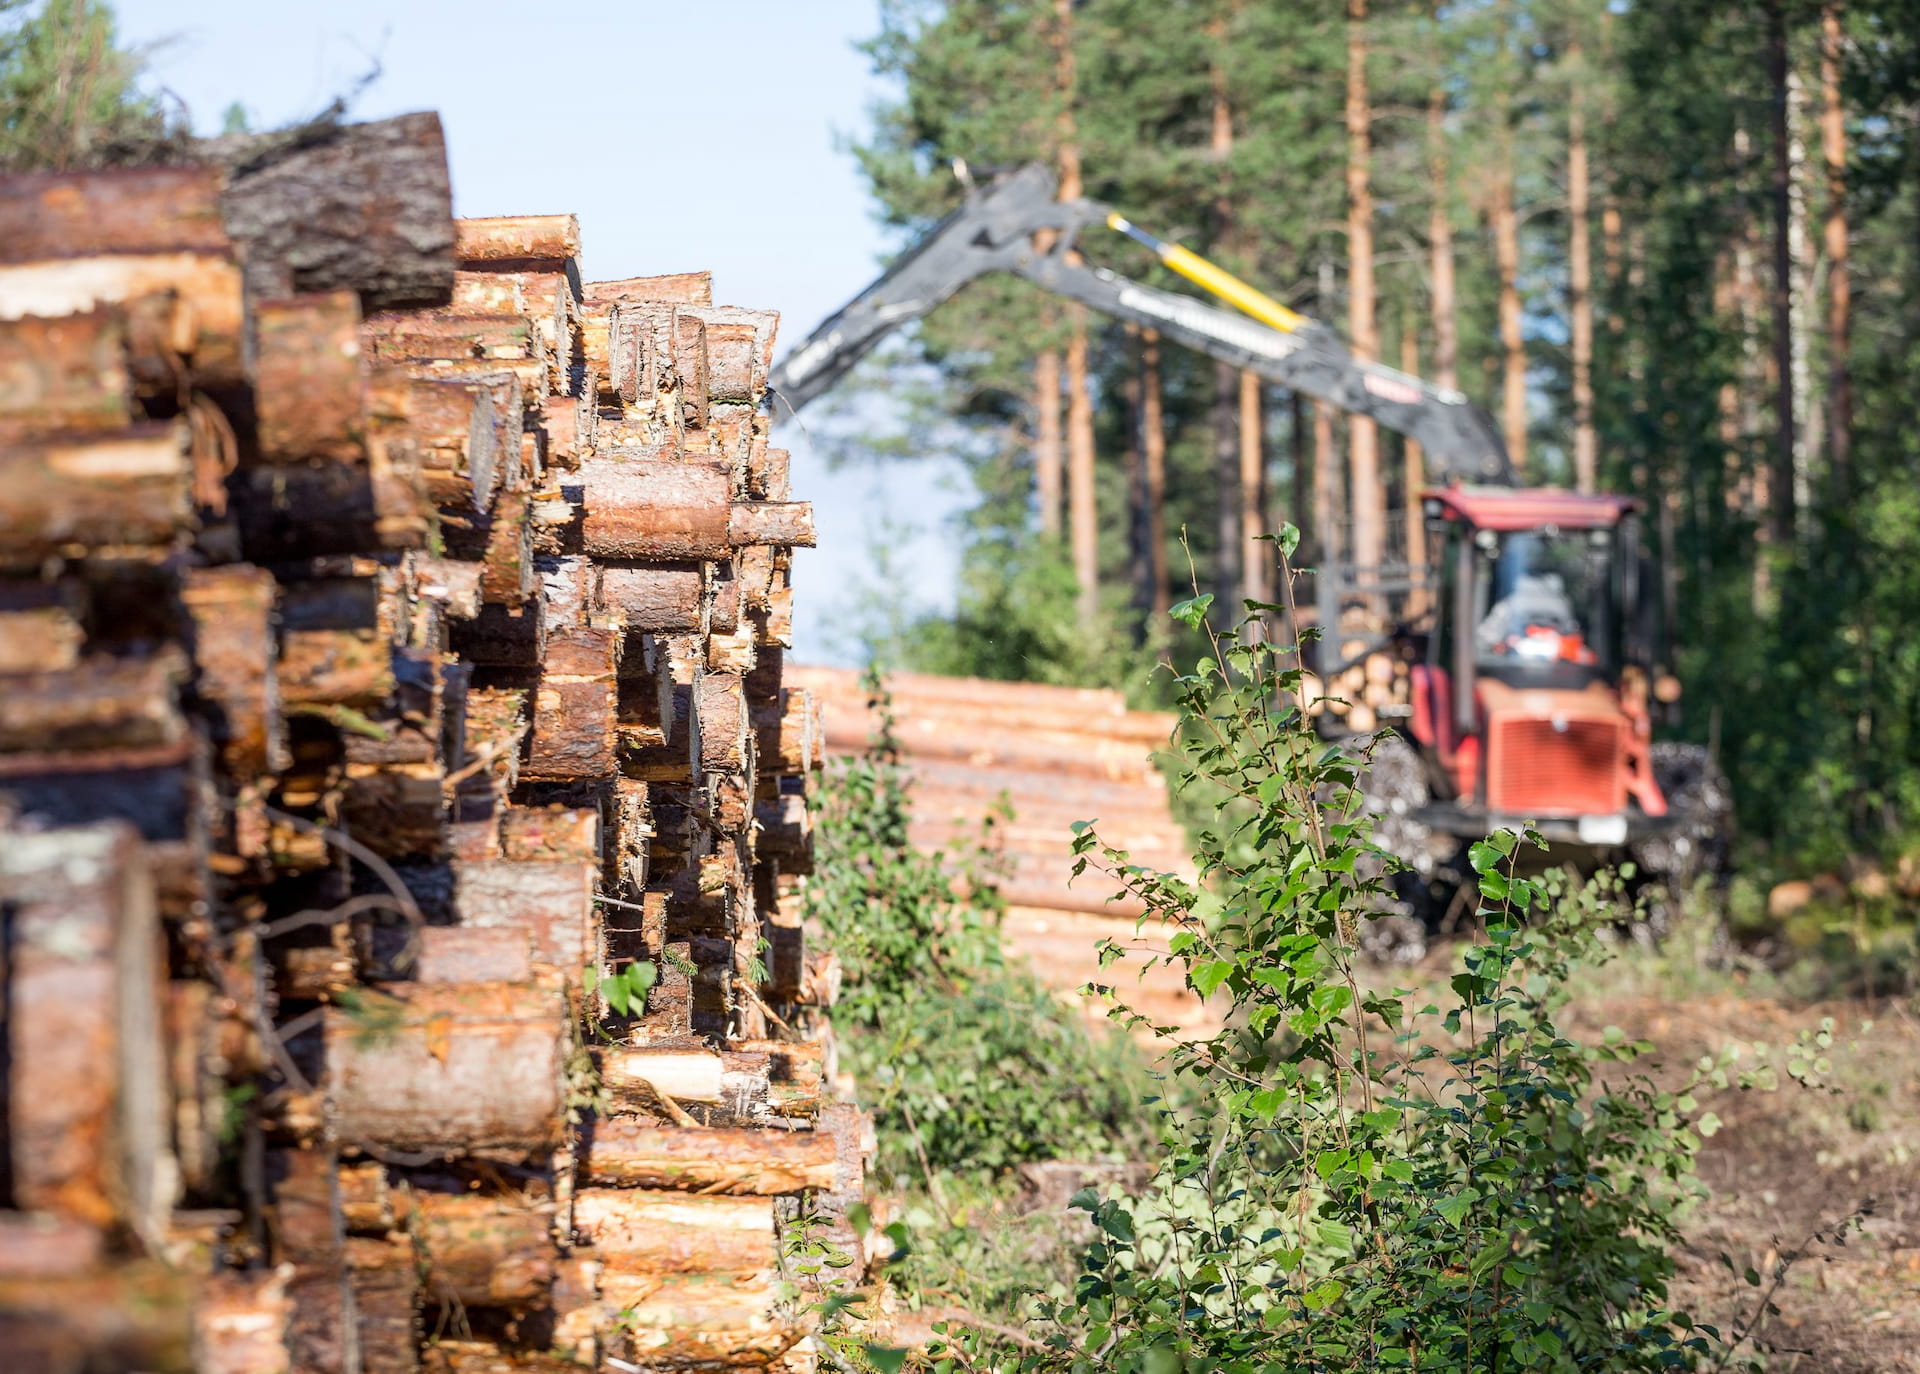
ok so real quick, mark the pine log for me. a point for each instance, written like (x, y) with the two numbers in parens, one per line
(674, 288)
(85, 1071)
(350, 668)
(569, 422)
(131, 1317)
(459, 954)
(491, 244)
(689, 344)
(397, 809)
(64, 375)
(509, 576)
(241, 1322)
(551, 899)
(65, 494)
(720, 722)
(231, 614)
(739, 351)
(729, 1088)
(638, 1231)
(575, 706)
(768, 473)
(310, 378)
(102, 704)
(43, 638)
(550, 832)
(345, 207)
(659, 597)
(785, 832)
(787, 523)
(628, 1152)
(694, 1320)
(487, 293)
(785, 736)
(125, 211)
(385, 1278)
(483, 1251)
(651, 508)
(459, 445)
(453, 1069)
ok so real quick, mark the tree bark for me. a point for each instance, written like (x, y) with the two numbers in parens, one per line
(1506, 249)
(1049, 467)
(1154, 441)
(1781, 492)
(1416, 475)
(1446, 323)
(1363, 436)
(1230, 564)
(1833, 146)
(1586, 447)
(1082, 515)
(1255, 555)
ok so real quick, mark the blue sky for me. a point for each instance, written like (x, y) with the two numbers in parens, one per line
(684, 135)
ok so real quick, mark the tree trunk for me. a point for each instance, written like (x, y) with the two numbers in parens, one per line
(1416, 477)
(1446, 323)
(1226, 468)
(1049, 467)
(1586, 445)
(1327, 504)
(1154, 444)
(1780, 493)
(1833, 146)
(1082, 516)
(1255, 555)
(1369, 504)
(1229, 575)
(1506, 251)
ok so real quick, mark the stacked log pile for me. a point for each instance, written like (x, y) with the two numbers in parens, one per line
(391, 633)
(1371, 691)
(1054, 755)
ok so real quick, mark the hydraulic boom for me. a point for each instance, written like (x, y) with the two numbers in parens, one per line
(993, 231)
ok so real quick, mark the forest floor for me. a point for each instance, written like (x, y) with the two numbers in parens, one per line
(1790, 1163)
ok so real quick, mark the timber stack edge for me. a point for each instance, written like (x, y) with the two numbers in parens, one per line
(391, 628)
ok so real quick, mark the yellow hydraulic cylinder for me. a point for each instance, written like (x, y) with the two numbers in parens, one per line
(1221, 282)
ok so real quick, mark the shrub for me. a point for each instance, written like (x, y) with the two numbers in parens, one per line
(1356, 1178)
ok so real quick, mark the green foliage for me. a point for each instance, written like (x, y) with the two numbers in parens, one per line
(1363, 1179)
(969, 1063)
(68, 93)
(624, 989)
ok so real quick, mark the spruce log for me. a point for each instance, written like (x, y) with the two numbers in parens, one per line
(629, 1152)
(784, 734)
(122, 211)
(69, 494)
(575, 706)
(739, 350)
(730, 1088)
(203, 331)
(345, 207)
(530, 833)
(453, 1069)
(64, 375)
(366, 1198)
(231, 610)
(651, 508)
(397, 809)
(351, 668)
(483, 1251)
(487, 293)
(639, 1231)
(509, 576)
(689, 343)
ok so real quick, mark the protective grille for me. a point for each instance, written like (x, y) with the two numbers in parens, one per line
(1535, 770)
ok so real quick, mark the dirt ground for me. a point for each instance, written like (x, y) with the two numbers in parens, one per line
(1793, 1162)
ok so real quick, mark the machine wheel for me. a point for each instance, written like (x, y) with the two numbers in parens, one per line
(1699, 843)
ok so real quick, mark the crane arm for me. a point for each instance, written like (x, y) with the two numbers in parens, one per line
(993, 232)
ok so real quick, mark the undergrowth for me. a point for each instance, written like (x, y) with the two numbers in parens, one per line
(1351, 1176)
(970, 1065)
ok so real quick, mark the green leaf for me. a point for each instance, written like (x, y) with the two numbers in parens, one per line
(887, 1359)
(1455, 1208)
(1323, 1294)
(1193, 611)
(1209, 976)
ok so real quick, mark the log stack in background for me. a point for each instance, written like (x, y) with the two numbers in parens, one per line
(1056, 755)
(390, 661)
